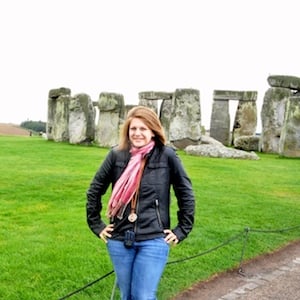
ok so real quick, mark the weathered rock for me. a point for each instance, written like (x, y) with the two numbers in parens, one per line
(81, 120)
(219, 151)
(289, 82)
(55, 93)
(208, 140)
(289, 144)
(185, 122)
(165, 115)
(60, 129)
(220, 122)
(53, 109)
(245, 120)
(152, 95)
(153, 104)
(127, 108)
(272, 117)
(111, 107)
(235, 95)
(247, 143)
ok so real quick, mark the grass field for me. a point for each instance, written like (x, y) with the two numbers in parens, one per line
(47, 250)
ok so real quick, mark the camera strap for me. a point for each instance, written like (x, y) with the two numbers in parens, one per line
(133, 216)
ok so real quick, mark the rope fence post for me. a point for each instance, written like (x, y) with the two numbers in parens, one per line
(246, 235)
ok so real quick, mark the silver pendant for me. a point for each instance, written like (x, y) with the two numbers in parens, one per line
(132, 217)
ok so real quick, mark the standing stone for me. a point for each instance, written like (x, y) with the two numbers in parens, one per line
(289, 144)
(245, 120)
(58, 111)
(165, 116)
(127, 108)
(153, 104)
(220, 121)
(111, 107)
(151, 99)
(272, 117)
(81, 120)
(61, 119)
(185, 122)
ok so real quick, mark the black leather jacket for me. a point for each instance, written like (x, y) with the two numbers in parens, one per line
(163, 169)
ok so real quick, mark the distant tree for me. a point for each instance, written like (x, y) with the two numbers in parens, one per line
(37, 126)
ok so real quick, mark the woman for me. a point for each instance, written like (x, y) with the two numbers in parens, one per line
(141, 170)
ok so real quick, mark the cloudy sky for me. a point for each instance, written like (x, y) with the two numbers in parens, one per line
(94, 46)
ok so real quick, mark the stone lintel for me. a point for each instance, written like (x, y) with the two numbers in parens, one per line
(151, 95)
(55, 93)
(111, 95)
(283, 81)
(179, 92)
(235, 95)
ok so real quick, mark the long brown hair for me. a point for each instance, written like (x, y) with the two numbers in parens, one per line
(151, 120)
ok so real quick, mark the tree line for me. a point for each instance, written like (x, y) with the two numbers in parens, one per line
(37, 126)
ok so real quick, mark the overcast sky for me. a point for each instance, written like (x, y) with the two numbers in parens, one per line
(94, 46)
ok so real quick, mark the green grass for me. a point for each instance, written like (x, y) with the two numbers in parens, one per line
(47, 250)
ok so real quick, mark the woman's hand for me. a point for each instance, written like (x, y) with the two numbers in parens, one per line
(106, 232)
(170, 237)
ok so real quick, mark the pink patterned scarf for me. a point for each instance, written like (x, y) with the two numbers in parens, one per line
(126, 185)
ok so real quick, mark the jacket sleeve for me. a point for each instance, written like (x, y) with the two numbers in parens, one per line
(185, 197)
(97, 189)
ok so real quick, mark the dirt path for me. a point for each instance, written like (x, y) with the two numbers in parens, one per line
(12, 129)
(271, 276)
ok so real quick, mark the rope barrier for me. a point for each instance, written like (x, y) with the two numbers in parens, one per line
(244, 233)
(209, 250)
(276, 230)
(86, 286)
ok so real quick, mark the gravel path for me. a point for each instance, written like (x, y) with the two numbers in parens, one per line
(273, 276)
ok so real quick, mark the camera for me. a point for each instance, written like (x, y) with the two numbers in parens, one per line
(129, 238)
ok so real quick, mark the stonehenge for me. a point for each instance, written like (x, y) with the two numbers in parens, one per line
(245, 118)
(79, 120)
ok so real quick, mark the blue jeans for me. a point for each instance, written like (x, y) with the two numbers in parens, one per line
(138, 269)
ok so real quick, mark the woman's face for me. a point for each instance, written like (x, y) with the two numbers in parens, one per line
(139, 134)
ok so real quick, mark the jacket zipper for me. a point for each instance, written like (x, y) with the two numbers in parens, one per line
(157, 212)
(136, 211)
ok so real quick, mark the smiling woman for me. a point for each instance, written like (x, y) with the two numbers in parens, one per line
(141, 170)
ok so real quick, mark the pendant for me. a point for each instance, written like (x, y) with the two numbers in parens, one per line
(132, 217)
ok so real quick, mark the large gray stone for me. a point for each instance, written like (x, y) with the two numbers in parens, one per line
(165, 115)
(220, 122)
(235, 95)
(289, 144)
(185, 122)
(245, 119)
(272, 117)
(247, 143)
(60, 130)
(81, 120)
(289, 82)
(111, 107)
(53, 96)
(219, 151)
